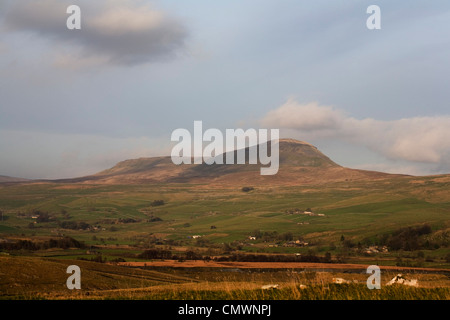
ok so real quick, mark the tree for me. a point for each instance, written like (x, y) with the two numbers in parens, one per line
(257, 234)
(288, 236)
(227, 248)
(43, 217)
(348, 244)
(65, 214)
(191, 255)
(157, 203)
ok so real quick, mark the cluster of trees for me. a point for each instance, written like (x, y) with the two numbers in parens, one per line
(247, 189)
(309, 257)
(63, 243)
(73, 225)
(167, 254)
(98, 258)
(192, 255)
(272, 236)
(154, 219)
(156, 203)
(406, 238)
(41, 216)
(45, 216)
(127, 220)
(156, 254)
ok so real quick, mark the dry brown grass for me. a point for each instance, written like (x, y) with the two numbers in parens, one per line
(37, 278)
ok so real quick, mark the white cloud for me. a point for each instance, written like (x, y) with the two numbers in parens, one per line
(310, 116)
(419, 139)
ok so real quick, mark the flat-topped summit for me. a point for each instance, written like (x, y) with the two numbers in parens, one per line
(290, 140)
(302, 154)
(299, 163)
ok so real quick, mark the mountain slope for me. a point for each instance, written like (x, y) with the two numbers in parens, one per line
(6, 179)
(300, 163)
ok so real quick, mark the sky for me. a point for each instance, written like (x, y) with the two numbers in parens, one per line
(75, 102)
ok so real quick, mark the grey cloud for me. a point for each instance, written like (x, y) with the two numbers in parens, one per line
(113, 32)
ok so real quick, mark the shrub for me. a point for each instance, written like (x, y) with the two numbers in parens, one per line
(191, 255)
(42, 216)
(408, 238)
(287, 236)
(64, 243)
(72, 225)
(156, 203)
(156, 254)
(127, 220)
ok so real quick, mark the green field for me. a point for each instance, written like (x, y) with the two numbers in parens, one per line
(357, 210)
(122, 221)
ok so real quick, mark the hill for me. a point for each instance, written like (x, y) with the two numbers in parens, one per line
(300, 163)
(6, 179)
(312, 209)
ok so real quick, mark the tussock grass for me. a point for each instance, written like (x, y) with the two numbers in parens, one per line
(247, 291)
(28, 278)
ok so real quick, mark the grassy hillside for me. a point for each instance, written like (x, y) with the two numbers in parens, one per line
(359, 211)
(313, 210)
(299, 163)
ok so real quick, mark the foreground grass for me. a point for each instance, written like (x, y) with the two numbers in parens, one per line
(331, 292)
(27, 278)
(318, 292)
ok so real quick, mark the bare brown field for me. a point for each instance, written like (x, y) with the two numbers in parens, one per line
(273, 265)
